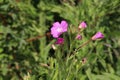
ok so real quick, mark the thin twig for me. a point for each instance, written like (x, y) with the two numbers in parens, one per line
(37, 37)
(45, 65)
(1, 33)
(82, 45)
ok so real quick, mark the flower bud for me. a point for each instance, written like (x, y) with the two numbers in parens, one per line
(98, 35)
(82, 25)
(84, 60)
(59, 41)
(79, 37)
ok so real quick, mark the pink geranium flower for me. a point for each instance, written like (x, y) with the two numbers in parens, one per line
(82, 25)
(59, 41)
(59, 28)
(98, 35)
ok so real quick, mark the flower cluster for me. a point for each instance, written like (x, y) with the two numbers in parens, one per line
(59, 28)
(81, 26)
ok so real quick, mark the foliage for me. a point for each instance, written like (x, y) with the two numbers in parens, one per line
(25, 42)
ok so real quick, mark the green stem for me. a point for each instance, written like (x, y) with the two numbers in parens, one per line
(82, 45)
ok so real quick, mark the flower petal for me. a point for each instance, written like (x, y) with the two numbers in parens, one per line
(54, 32)
(56, 24)
(64, 25)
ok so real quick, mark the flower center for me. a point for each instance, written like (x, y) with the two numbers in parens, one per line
(59, 29)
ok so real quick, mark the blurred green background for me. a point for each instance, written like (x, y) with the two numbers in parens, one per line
(25, 43)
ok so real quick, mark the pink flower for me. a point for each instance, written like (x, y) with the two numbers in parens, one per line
(79, 37)
(82, 25)
(59, 41)
(98, 35)
(58, 28)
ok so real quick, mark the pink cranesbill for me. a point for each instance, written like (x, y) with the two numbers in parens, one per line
(59, 28)
(98, 35)
(59, 41)
(82, 25)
